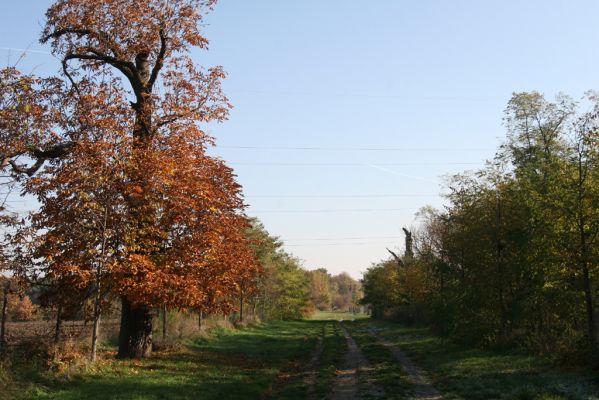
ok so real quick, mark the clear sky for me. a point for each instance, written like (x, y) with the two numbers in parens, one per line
(376, 99)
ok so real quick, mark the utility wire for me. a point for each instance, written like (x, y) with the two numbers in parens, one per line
(357, 196)
(335, 211)
(334, 244)
(343, 238)
(283, 164)
(314, 148)
(364, 95)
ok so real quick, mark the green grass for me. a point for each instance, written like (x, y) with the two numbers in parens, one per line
(231, 365)
(331, 358)
(337, 316)
(466, 373)
(387, 373)
(269, 362)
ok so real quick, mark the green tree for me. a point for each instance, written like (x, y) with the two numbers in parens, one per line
(283, 289)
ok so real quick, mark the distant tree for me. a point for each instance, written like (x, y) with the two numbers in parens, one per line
(345, 291)
(320, 288)
(283, 289)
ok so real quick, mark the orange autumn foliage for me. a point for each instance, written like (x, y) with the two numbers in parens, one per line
(130, 200)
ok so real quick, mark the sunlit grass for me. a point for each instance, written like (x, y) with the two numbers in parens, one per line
(234, 364)
(337, 316)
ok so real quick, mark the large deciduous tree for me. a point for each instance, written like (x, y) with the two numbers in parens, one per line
(131, 204)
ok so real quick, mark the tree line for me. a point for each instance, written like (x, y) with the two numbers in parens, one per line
(512, 259)
(335, 292)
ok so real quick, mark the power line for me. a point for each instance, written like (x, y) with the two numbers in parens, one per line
(357, 196)
(343, 238)
(334, 244)
(26, 50)
(283, 164)
(334, 211)
(314, 148)
(364, 95)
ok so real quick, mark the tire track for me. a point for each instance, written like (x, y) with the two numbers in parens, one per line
(423, 387)
(311, 367)
(347, 383)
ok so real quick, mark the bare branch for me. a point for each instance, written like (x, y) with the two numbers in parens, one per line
(397, 258)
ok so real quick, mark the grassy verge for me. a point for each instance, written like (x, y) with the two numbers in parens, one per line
(231, 364)
(465, 373)
(386, 373)
(334, 349)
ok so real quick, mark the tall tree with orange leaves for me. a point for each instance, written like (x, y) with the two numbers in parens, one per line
(131, 204)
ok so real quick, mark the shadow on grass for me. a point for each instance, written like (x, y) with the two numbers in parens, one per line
(466, 373)
(240, 364)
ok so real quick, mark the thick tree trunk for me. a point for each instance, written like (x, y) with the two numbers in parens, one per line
(135, 336)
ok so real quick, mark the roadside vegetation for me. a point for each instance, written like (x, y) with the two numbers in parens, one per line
(464, 372)
(512, 260)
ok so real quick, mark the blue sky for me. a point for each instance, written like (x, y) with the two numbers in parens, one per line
(421, 84)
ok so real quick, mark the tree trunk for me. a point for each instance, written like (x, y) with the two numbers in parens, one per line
(58, 324)
(200, 318)
(3, 323)
(241, 307)
(588, 297)
(164, 315)
(95, 332)
(584, 265)
(98, 291)
(96, 326)
(135, 336)
(500, 272)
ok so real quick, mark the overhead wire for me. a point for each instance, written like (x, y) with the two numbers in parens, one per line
(285, 164)
(336, 210)
(332, 148)
(341, 196)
